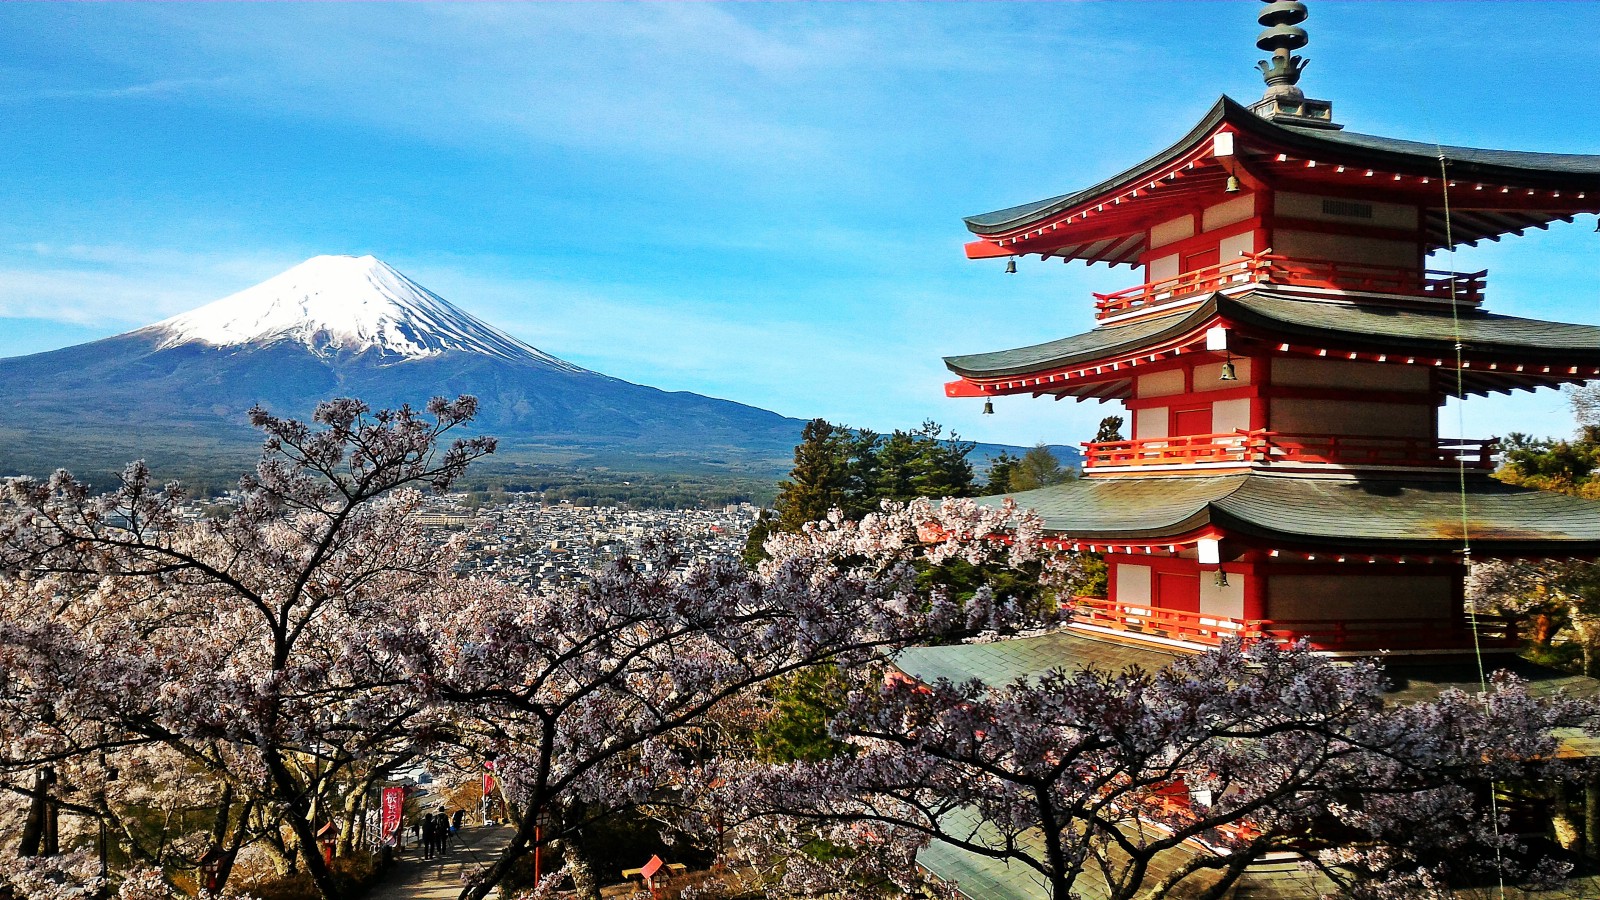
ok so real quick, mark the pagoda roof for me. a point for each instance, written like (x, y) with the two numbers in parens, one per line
(1322, 324)
(1384, 514)
(1561, 181)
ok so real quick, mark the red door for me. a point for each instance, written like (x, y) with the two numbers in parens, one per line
(1191, 421)
(1179, 592)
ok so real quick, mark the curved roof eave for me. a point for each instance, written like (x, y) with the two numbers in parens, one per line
(1081, 347)
(1006, 219)
(1517, 168)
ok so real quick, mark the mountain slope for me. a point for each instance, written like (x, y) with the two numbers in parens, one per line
(342, 326)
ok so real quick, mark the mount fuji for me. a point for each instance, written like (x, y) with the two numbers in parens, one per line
(177, 391)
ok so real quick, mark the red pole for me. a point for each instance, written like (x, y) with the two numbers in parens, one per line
(538, 852)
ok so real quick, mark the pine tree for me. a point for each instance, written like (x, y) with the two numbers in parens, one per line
(1000, 469)
(1038, 468)
(1110, 430)
(820, 480)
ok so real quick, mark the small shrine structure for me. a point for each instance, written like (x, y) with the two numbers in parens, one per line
(1283, 365)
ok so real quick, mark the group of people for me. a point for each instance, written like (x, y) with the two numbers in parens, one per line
(434, 830)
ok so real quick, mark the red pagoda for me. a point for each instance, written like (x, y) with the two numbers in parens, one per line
(1282, 368)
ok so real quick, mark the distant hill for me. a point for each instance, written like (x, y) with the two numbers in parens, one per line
(176, 392)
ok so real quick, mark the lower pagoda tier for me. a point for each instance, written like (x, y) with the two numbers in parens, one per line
(1351, 564)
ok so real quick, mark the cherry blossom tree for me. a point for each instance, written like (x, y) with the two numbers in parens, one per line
(1090, 776)
(588, 698)
(260, 650)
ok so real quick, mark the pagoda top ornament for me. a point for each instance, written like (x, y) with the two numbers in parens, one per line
(1283, 101)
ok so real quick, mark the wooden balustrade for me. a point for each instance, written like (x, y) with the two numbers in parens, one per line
(1269, 268)
(1264, 447)
(1152, 622)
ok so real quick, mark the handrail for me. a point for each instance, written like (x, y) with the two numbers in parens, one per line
(1261, 446)
(1271, 268)
(1145, 620)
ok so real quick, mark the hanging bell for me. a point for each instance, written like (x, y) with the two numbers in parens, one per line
(1233, 185)
(988, 407)
(1228, 374)
(1222, 577)
(1011, 267)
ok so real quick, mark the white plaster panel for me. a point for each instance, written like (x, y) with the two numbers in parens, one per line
(1161, 384)
(1312, 245)
(1297, 372)
(1209, 376)
(1150, 422)
(1175, 230)
(1230, 415)
(1293, 416)
(1223, 602)
(1223, 214)
(1163, 268)
(1133, 584)
(1358, 596)
(1291, 205)
(1234, 246)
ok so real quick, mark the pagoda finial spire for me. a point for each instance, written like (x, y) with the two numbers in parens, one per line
(1284, 102)
(1282, 37)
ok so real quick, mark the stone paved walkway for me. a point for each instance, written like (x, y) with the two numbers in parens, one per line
(441, 878)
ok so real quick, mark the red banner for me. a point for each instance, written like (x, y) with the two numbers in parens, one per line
(394, 805)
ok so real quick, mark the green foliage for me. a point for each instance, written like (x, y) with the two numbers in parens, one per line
(1038, 468)
(1000, 469)
(754, 552)
(1572, 467)
(821, 478)
(1095, 580)
(802, 705)
(1110, 430)
(854, 471)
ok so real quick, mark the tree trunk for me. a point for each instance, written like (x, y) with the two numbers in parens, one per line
(579, 860)
(33, 827)
(1591, 816)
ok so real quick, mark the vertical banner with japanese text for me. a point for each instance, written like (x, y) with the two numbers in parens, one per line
(394, 804)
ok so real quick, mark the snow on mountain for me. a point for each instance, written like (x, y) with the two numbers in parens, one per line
(345, 305)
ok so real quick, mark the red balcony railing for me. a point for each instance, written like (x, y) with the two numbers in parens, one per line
(1152, 622)
(1262, 447)
(1268, 268)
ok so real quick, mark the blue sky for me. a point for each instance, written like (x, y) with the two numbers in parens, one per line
(754, 201)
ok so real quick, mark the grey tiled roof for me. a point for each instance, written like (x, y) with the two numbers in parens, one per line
(1512, 167)
(1342, 324)
(1003, 662)
(1382, 513)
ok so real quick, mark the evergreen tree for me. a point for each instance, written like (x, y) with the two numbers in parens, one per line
(943, 469)
(754, 551)
(1110, 430)
(821, 478)
(1000, 469)
(1038, 468)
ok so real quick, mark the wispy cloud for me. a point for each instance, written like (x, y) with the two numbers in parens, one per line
(115, 288)
(162, 87)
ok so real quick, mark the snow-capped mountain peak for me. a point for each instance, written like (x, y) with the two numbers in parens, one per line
(339, 305)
